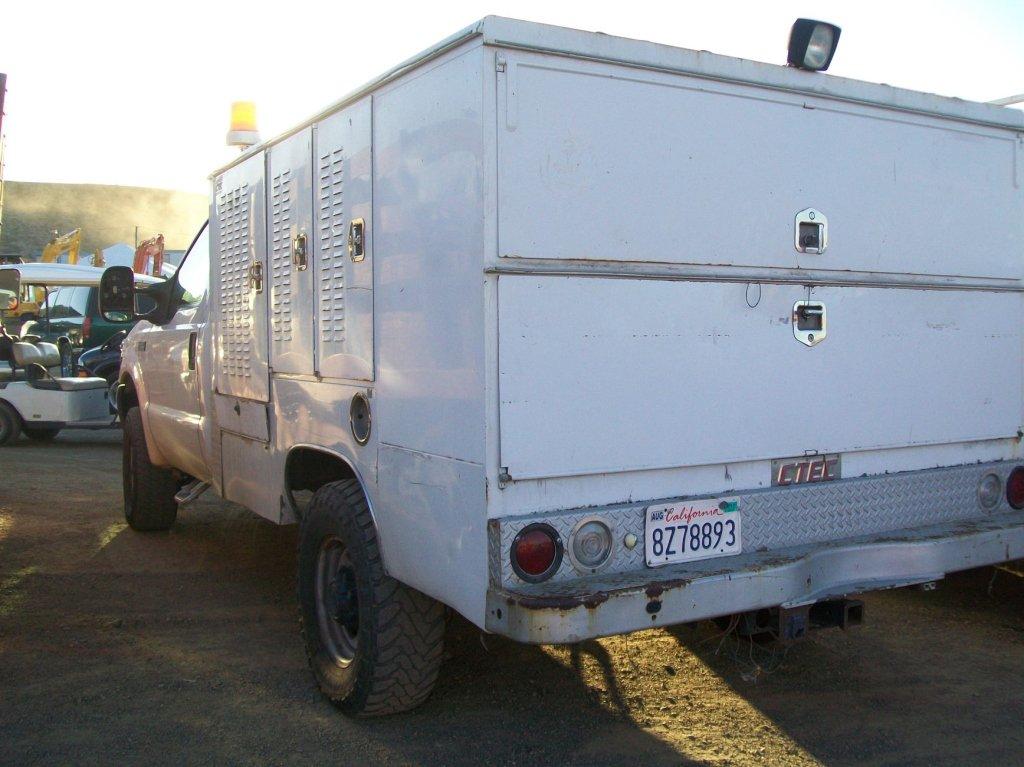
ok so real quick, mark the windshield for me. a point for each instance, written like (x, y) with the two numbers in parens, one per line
(194, 273)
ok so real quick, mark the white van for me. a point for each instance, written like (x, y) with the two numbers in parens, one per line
(579, 335)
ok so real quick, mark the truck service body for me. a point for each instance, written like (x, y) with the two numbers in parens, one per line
(536, 278)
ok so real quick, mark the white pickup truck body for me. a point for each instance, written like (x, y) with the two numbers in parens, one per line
(577, 296)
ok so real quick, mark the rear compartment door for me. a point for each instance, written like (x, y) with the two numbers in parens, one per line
(604, 162)
(600, 375)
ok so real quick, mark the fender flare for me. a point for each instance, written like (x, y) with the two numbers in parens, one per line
(347, 460)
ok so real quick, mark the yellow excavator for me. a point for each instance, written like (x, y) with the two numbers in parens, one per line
(58, 246)
(70, 243)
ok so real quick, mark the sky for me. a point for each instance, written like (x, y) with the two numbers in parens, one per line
(138, 93)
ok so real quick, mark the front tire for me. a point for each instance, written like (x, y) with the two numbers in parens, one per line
(373, 644)
(10, 424)
(148, 491)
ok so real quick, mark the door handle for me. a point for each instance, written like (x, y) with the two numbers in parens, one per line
(193, 341)
(299, 252)
(811, 231)
(357, 239)
(809, 322)
(256, 276)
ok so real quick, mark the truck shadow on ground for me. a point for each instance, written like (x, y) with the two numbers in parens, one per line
(184, 646)
(931, 678)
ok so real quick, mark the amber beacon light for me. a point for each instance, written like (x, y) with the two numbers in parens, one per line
(243, 132)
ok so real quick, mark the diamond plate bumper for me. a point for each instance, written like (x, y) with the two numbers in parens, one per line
(860, 543)
(617, 604)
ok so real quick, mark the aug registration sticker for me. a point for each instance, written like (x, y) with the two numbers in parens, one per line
(692, 530)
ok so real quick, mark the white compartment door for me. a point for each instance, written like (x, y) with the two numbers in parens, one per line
(605, 375)
(239, 289)
(344, 244)
(290, 239)
(604, 162)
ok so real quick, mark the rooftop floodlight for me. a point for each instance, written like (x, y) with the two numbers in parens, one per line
(812, 44)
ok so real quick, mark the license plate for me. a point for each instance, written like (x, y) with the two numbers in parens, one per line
(692, 530)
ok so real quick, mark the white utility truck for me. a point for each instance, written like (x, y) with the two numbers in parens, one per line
(580, 335)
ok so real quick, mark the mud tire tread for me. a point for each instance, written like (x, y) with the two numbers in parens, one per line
(153, 506)
(401, 631)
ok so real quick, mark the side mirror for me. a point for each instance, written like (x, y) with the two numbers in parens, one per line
(10, 289)
(117, 294)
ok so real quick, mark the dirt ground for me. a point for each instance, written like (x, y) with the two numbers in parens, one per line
(183, 647)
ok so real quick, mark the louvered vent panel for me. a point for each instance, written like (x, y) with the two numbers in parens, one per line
(280, 256)
(333, 247)
(235, 307)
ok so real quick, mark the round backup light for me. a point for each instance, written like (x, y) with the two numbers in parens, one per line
(591, 544)
(990, 491)
(1015, 488)
(536, 552)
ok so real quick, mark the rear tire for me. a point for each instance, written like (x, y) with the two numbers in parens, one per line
(41, 433)
(148, 491)
(373, 644)
(10, 424)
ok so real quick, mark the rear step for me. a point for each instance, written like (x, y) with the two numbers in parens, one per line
(190, 492)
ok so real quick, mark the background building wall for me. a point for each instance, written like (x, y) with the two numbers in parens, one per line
(106, 215)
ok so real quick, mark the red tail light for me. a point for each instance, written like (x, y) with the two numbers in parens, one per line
(86, 328)
(536, 552)
(1015, 488)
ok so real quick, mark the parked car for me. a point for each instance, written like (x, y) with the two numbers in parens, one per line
(70, 306)
(104, 361)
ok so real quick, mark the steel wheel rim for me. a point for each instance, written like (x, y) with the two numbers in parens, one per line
(337, 605)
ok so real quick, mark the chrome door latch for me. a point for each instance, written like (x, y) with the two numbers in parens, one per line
(256, 276)
(810, 231)
(809, 322)
(356, 239)
(299, 258)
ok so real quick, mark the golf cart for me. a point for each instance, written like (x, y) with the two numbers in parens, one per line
(36, 397)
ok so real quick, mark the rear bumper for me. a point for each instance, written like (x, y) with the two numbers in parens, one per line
(630, 601)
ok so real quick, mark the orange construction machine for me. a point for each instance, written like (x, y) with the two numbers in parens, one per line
(149, 256)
